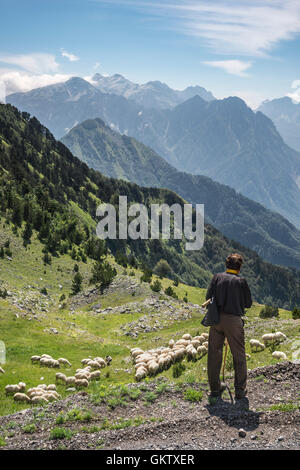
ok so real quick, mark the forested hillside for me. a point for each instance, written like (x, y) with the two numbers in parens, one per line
(41, 179)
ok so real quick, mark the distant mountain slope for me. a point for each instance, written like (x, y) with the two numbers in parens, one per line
(119, 156)
(63, 105)
(40, 179)
(154, 94)
(222, 139)
(286, 116)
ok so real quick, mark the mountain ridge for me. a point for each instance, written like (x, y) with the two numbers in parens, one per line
(153, 94)
(40, 178)
(285, 113)
(222, 139)
(239, 218)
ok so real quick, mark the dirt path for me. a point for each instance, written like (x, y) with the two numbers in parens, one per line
(268, 419)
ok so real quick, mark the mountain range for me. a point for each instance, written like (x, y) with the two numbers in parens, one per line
(41, 181)
(154, 94)
(285, 114)
(236, 216)
(222, 139)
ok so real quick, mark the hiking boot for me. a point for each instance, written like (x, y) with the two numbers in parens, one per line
(219, 392)
(240, 394)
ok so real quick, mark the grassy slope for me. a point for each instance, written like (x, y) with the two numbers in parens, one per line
(82, 334)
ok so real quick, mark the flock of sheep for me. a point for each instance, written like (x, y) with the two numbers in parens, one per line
(153, 361)
(146, 363)
(41, 394)
(82, 377)
(47, 361)
(270, 339)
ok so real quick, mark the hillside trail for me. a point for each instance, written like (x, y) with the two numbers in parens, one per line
(267, 419)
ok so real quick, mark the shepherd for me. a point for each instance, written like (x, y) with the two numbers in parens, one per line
(232, 295)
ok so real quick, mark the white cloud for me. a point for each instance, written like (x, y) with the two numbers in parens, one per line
(96, 65)
(234, 67)
(12, 81)
(35, 63)
(295, 95)
(69, 56)
(252, 98)
(244, 27)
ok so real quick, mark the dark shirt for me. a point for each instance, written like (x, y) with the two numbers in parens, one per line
(232, 293)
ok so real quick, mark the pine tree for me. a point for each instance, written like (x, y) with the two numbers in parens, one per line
(27, 233)
(76, 283)
(102, 274)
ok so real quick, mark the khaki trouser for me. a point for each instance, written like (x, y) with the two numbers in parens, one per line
(231, 327)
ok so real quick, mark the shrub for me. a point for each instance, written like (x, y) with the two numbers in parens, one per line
(60, 433)
(150, 397)
(102, 274)
(44, 291)
(76, 283)
(3, 293)
(268, 312)
(147, 274)
(193, 395)
(2, 441)
(169, 291)
(178, 370)
(162, 268)
(156, 286)
(296, 313)
(29, 428)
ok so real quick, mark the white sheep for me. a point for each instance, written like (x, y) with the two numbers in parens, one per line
(202, 350)
(279, 337)
(140, 374)
(279, 355)
(187, 336)
(70, 380)
(153, 367)
(35, 359)
(12, 389)
(21, 397)
(85, 361)
(95, 375)
(255, 345)
(81, 376)
(102, 363)
(51, 387)
(22, 386)
(81, 383)
(42, 386)
(60, 377)
(39, 399)
(64, 362)
(55, 364)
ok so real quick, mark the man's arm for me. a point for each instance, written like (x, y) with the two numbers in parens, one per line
(209, 292)
(247, 295)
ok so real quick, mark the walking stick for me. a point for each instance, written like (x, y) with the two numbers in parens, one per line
(223, 369)
(224, 360)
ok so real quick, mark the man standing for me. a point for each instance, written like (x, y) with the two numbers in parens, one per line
(232, 297)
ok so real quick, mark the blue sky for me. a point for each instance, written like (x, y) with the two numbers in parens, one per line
(248, 48)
